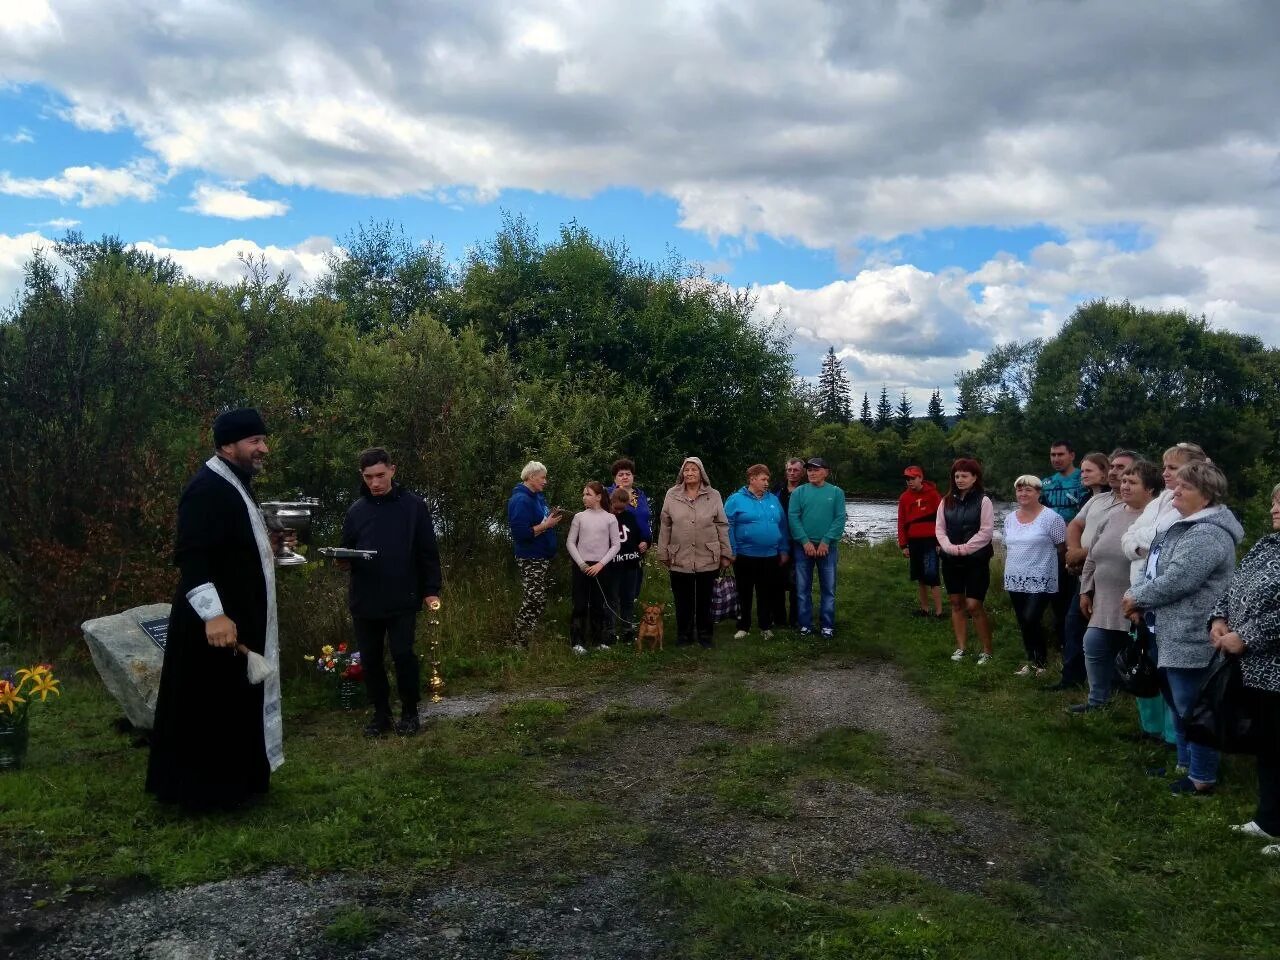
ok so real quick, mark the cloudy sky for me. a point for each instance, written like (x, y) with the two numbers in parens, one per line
(910, 182)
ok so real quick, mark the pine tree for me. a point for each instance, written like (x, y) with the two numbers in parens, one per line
(865, 416)
(902, 415)
(936, 413)
(833, 390)
(884, 410)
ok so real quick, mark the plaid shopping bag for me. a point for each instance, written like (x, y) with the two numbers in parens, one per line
(724, 597)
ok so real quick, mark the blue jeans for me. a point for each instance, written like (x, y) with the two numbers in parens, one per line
(1100, 649)
(804, 587)
(1180, 686)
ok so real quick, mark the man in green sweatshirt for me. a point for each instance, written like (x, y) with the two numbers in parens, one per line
(816, 515)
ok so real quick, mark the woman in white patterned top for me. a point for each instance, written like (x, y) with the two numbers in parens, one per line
(1034, 539)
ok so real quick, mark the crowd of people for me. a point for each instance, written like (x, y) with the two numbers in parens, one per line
(775, 539)
(1115, 546)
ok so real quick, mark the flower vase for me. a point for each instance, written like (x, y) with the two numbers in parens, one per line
(350, 694)
(13, 742)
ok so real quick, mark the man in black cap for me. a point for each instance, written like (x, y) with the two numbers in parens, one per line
(388, 590)
(217, 737)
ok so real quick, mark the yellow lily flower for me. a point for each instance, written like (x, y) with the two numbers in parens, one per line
(9, 696)
(45, 685)
(327, 650)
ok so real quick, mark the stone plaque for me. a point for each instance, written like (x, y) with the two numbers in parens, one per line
(128, 650)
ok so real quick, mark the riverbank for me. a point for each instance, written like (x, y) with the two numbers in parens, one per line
(866, 797)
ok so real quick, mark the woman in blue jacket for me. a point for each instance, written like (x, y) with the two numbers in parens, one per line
(532, 525)
(758, 539)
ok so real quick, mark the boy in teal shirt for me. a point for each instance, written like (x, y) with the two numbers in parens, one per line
(816, 516)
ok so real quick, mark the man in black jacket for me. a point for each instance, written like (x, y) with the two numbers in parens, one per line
(388, 590)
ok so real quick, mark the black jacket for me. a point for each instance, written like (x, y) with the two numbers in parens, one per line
(407, 568)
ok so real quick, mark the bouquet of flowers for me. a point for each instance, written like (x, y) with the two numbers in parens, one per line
(344, 665)
(18, 689)
(338, 661)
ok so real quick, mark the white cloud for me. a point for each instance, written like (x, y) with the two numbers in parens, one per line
(88, 186)
(57, 223)
(224, 262)
(15, 254)
(822, 121)
(21, 135)
(232, 202)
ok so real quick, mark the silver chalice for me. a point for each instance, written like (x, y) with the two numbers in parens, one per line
(286, 515)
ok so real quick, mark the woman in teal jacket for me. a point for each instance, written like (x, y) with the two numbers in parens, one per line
(758, 538)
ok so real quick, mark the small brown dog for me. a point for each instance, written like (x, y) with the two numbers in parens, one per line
(650, 627)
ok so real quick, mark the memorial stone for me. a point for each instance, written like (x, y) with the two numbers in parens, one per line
(128, 650)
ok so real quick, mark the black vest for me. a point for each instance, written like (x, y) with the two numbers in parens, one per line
(963, 517)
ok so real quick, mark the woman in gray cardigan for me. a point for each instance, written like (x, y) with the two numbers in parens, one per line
(1246, 623)
(1187, 571)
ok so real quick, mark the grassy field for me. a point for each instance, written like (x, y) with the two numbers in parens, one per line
(1110, 864)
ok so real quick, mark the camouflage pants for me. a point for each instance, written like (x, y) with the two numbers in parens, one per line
(534, 573)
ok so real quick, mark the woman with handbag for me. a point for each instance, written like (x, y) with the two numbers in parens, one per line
(693, 544)
(1246, 623)
(1105, 578)
(1187, 570)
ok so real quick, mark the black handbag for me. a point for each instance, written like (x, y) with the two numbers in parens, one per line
(1135, 670)
(1219, 715)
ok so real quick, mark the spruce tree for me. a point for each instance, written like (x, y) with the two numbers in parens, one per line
(865, 416)
(884, 410)
(936, 413)
(902, 415)
(833, 390)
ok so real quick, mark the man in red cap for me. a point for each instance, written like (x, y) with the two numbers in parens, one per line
(917, 517)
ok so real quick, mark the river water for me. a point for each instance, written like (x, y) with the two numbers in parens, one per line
(877, 520)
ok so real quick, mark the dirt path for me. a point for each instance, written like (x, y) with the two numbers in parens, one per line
(662, 774)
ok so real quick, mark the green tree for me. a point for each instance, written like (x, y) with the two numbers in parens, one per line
(833, 390)
(884, 410)
(902, 415)
(865, 417)
(1117, 374)
(937, 415)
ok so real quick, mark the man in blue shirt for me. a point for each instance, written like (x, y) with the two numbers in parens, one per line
(1064, 494)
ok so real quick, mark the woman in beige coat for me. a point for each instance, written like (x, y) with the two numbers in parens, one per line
(693, 544)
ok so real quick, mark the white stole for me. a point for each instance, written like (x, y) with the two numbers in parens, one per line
(272, 728)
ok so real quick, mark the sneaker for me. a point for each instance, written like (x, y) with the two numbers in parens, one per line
(1271, 850)
(377, 727)
(1187, 785)
(408, 726)
(920, 613)
(942, 616)
(984, 659)
(1023, 671)
(740, 635)
(579, 649)
(957, 656)
(1039, 671)
(766, 634)
(602, 646)
(806, 632)
(828, 633)
(1251, 829)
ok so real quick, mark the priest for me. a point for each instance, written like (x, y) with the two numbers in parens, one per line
(217, 736)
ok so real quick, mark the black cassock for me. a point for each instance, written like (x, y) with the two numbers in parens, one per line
(207, 746)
